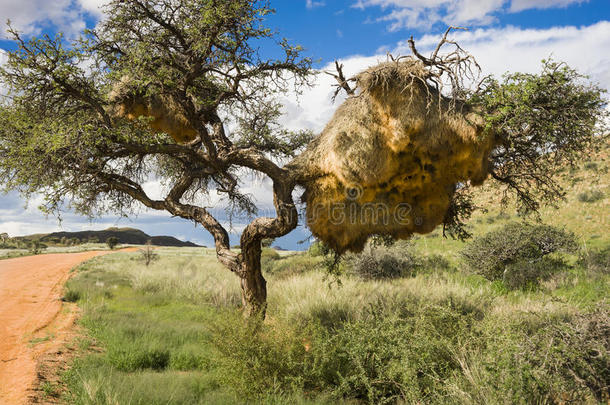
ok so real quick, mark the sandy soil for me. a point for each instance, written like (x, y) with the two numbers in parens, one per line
(33, 320)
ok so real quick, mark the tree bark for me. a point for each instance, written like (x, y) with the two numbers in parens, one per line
(253, 284)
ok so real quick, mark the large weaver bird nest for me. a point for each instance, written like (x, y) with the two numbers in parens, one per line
(390, 159)
(163, 112)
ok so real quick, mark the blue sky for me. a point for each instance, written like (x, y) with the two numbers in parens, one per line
(503, 35)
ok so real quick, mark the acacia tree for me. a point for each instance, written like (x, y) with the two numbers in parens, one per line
(60, 134)
(152, 90)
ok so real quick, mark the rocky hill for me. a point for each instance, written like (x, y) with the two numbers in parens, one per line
(125, 235)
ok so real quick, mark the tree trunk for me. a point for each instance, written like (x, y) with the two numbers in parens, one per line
(253, 284)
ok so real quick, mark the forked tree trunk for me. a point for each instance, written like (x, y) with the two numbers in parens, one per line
(253, 284)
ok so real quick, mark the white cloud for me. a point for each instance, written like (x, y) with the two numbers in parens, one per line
(313, 4)
(32, 16)
(425, 13)
(520, 5)
(93, 6)
(499, 50)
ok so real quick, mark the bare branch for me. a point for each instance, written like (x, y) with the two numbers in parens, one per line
(343, 83)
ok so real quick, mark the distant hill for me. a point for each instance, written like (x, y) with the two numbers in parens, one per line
(125, 235)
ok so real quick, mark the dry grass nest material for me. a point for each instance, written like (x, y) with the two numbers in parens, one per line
(390, 159)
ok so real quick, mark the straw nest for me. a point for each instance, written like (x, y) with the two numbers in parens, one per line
(164, 114)
(390, 159)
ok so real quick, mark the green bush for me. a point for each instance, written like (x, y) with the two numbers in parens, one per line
(527, 274)
(185, 360)
(383, 264)
(112, 242)
(35, 247)
(71, 296)
(317, 248)
(515, 252)
(591, 196)
(435, 262)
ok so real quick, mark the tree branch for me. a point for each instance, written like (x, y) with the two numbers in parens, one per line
(342, 82)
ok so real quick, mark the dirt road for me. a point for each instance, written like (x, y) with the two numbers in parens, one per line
(31, 318)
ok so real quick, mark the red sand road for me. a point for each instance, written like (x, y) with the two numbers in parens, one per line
(30, 292)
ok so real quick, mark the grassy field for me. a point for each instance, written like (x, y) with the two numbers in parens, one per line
(172, 333)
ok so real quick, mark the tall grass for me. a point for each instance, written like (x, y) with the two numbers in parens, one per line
(172, 333)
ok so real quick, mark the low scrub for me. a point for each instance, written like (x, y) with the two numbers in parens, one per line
(518, 253)
(395, 261)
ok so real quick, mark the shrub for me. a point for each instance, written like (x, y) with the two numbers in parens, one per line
(71, 296)
(515, 252)
(526, 274)
(590, 196)
(379, 264)
(35, 247)
(435, 262)
(112, 242)
(317, 249)
(147, 255)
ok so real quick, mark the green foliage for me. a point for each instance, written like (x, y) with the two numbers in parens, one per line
(526, 273)
(517, 253)
(112, 242)
(591, 196)
(35, 247)
(544, 122)
(59, 131)
(316, 249)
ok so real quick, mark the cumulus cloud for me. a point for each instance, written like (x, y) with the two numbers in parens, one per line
(32, 16)
(520, 5)
(425, 13)
(499, 50)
